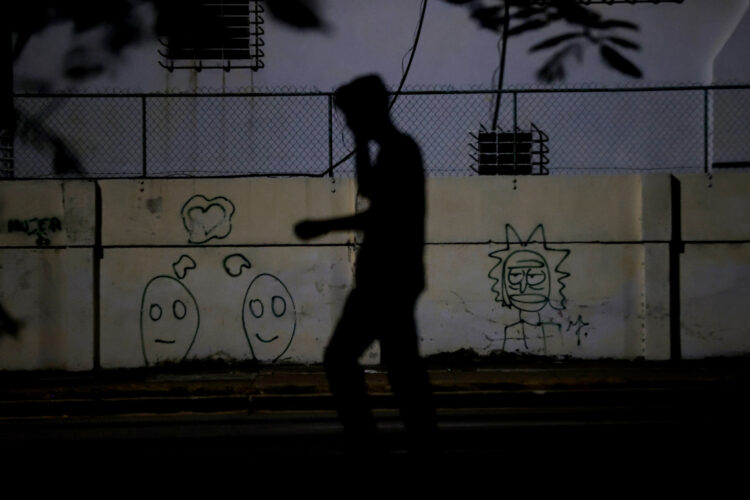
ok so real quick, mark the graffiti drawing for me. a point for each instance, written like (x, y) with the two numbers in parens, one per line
(579, 325)
(38, 226)
(205, 219)
(528, 278)
(269, 317)
(234, 264)
(169, 317)
(183, 265)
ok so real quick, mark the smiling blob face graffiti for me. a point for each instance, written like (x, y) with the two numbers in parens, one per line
(169, 320)
(269, 317)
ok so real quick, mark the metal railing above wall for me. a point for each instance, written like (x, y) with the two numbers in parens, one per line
(589, 131)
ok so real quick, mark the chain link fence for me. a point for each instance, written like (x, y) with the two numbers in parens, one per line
(589, 131)
(6, 153)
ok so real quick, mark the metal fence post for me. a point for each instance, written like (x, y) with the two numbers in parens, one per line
(705, 131)
(330, 135)
(515, 129)
(143, 134)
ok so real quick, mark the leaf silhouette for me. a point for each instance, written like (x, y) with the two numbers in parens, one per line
(555, 40)
(624, 43)
(528, 26)
(577, 14)
(298, 13)
(554, 68)
(618, 62)
(64, 161)
(527, 12)
(488, 17)
(617, 23)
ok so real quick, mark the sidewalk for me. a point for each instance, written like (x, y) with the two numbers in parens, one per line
(457, 383)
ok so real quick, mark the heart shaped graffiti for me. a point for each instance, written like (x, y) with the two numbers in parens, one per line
(206, 218)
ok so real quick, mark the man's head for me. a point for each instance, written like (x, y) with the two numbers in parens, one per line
(364, 102)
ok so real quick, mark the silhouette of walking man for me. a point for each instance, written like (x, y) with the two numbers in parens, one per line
(389, 273)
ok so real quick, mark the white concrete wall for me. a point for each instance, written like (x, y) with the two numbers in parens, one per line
(210, 269)
(46, 274)
(715, 269)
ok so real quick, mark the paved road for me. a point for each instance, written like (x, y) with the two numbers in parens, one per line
(569, 437)
(570, 419)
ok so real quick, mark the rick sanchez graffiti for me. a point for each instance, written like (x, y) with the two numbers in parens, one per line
(528, 278)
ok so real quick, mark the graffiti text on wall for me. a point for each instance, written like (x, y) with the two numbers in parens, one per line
(528, 278)
(40, 227)
(579, 326)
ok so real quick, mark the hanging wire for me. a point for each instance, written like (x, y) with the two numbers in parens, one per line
(412, 51)
(498, 98)
(404, 73)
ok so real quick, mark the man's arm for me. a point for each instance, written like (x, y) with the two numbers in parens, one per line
(308, 229)
(363, 167)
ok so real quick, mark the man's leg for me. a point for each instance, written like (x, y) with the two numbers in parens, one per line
(346, 377)
(409, 380)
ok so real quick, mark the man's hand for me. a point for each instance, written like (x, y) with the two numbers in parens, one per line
(361, 142)
(308, 229)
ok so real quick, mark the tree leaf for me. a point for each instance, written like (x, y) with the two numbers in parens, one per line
(488, 17)
(298, 13)
(483, 12)
(554, 68)
(577, 14)
(624, 43)
(618, 62)
(64, 161)
(617, 23)
(555, 40)
(525, 13)
(528, 26)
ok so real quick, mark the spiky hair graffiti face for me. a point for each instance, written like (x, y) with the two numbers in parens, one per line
(528, 275)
